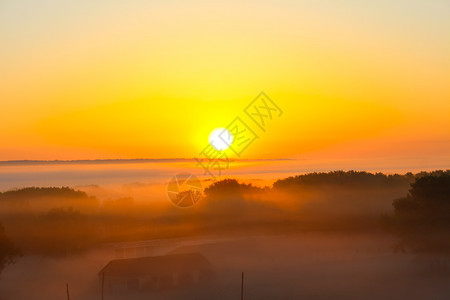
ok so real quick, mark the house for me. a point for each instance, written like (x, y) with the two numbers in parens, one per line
(156, 272)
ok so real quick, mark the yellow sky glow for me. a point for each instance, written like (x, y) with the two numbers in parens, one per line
(116, 80)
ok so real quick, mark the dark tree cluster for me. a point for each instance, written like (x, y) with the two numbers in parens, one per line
(422, 218)
(352, 179)
(8, 251)
(22, 197)
(230, 187)
(42, 192)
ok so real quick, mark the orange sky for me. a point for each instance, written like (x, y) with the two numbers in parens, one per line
(355, 79)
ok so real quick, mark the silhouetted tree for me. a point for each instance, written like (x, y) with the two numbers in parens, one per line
(8, 251)
(230, 188)
(422, 218)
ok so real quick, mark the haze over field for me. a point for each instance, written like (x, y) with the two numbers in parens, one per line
(319, 235)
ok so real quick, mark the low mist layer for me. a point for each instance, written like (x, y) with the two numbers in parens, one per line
(291, 239)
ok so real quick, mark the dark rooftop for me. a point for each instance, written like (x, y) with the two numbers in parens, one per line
(132, 267)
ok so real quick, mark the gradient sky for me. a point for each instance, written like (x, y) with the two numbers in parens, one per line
(129, 79)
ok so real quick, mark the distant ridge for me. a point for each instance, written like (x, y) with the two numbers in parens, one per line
(118, 161)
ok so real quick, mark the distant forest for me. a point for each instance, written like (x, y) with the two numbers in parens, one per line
(62, 221)
(350, 178)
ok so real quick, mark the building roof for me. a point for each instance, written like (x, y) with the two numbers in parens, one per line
(133, 267)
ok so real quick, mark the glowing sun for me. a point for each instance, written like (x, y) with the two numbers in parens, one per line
(221, 138)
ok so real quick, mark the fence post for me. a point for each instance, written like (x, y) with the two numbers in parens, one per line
(242, 286)
(103, 283)
(67, 290)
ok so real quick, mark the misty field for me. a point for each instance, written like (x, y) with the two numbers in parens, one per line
(303, 266)
(336, 235)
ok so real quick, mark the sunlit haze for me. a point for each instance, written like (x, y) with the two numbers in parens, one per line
(113, 79)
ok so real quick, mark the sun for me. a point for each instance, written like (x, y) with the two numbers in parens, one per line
(220, 139)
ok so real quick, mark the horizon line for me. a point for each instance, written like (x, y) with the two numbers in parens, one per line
(123, 161)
